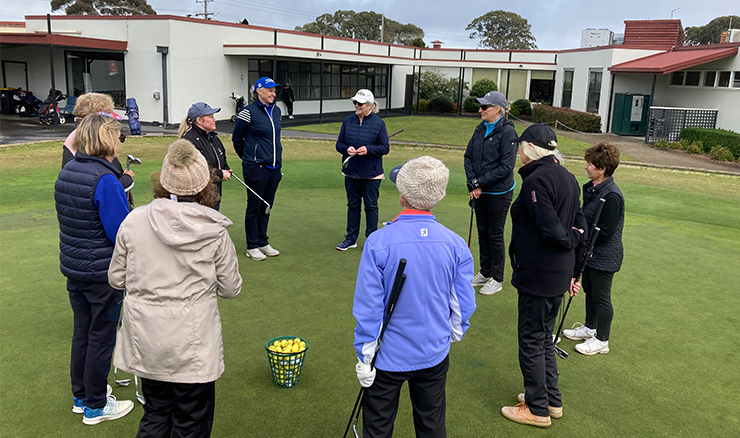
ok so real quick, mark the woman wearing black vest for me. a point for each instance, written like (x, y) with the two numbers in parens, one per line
(601, 161)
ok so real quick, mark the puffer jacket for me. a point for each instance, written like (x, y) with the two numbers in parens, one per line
(491, 158)
(175, 259)
(372, 134)
(608, 250)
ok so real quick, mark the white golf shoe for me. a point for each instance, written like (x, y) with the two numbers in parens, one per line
(593, 346)
(579, 332)
(491, 287)
(269, 251)
(480, 279)
(256, 254)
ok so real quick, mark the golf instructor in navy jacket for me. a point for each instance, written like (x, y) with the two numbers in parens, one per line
(362, 141)
(256, 140)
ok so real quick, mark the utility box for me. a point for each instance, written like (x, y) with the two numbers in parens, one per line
(630, 114)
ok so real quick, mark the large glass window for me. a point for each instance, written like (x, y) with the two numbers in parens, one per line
(567, 88)
(709, 78)
(692, 78)
(724, 79)
(89, 72)
(594, 91)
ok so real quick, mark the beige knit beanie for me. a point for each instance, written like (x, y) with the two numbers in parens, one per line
(184, 170)
(422, 182)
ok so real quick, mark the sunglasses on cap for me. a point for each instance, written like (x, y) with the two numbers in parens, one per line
(354, 102)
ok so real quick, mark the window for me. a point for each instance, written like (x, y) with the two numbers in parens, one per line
(338, 80)
(96, 72)
(677, 78)
(709, 78)
(692, 78)
(724, 79)
(567, 88)
(736, 81)
(594, 91)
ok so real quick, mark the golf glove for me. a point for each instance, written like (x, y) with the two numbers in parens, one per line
(365, 374)
(473, 184)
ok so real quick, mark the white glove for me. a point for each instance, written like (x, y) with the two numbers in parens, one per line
(365, 374)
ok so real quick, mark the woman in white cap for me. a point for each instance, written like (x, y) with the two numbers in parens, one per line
(256, 139)
(489, 169)
(199, 127)
(364, 139)
(175, 258)
(547, 230)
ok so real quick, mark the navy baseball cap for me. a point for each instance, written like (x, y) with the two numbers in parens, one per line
(201, 109)
(540, 135)
(265, 82)
(394, 173)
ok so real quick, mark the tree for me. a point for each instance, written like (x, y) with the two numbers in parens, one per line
(103, 7)
(364, 26)
(710, 33)
(502, 30)
(435, 84)
(483, 86)
(418, 42)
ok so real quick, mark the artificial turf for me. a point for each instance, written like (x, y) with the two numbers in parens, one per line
(671, 372)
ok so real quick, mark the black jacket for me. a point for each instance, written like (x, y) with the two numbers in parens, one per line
(211, 147)
(491, 158)
(608, 249)
(288, 95)
(544, 248)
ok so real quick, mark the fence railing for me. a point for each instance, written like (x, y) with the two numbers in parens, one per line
(665, 123)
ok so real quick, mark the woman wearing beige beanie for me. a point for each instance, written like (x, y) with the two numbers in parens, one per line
(175, 258)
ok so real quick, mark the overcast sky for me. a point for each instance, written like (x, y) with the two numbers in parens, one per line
(556, 24)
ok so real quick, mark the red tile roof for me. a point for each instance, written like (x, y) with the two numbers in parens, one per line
(653, 34)
(678, 59)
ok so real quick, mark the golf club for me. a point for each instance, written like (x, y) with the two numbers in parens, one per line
(345, 163)
(267, 210)
(119, 382)
(139, 397)
(130, 159)
(392, 300)
(587, 253)
(470, 232)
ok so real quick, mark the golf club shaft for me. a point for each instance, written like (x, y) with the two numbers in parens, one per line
(470, 231)
(250, 189)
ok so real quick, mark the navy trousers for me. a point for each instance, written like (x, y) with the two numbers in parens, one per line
(359, 191)
(537, 317)
(265, 182)
(96, 307)
(177, 410)
(428, 399)
(490, 217)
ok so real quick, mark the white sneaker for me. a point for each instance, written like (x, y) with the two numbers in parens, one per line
(113, 410)
(256, 254)
(269, 251)
(579, 332)
(79, 408)
(480, 279)
(291, 117)
(593, 346)
(491, 287)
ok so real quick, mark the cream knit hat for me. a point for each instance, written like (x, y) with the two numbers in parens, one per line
(422, 182)
(185, 171)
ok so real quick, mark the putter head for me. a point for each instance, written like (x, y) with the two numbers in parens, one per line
(355, 433)
(267, 210)
(130, 159)
(141, 398)
(561, 353)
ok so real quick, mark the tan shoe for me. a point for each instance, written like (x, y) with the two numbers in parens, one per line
(554, 412)
(520, 414)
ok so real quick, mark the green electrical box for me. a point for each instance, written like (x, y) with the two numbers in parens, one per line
(630, 114)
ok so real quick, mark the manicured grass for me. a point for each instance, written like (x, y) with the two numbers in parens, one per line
(671, 371)
(452, 131)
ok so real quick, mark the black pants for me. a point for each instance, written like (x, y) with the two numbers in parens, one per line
(177, 410)
(597, 285)
(427, 393)
(537, 317)
(265, 182)
(490, 216)
(96, 308)
(359, 190)
(289, 106)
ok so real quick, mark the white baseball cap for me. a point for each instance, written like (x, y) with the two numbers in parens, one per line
(364, 96)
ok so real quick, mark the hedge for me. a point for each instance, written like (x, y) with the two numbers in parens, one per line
(471, 105)
(523, 105)
(713, 137)
(441, 105)
(580, 121)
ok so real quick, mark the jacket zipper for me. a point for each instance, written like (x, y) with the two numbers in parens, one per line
(273, 136)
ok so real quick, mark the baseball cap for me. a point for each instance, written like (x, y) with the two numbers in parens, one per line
(394, 173)
(364, 96)
(493, 98)
(201, 109)
(265, 82)
(540, 135)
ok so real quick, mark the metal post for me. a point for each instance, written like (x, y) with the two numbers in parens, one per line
(358, 76)
(51, 64)
(652, 99)
(388, 88)
(418, 91)
(321, 89)
(165, 115)
(382, 27)
(609, 111)
(413, 72)
(508, 79)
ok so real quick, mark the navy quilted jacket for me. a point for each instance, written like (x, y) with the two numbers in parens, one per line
(372, 134)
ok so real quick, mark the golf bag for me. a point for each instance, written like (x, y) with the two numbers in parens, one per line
(240, 104)
(28, 104)
(49, 110)
(132, 112)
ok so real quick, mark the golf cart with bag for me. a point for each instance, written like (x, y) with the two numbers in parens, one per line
(50, 109)
(132, 112)
(240, 104)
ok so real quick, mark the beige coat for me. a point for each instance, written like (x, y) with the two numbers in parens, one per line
(173, 259)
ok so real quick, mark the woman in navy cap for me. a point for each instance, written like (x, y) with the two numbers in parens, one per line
(200, 128)
(256, 140)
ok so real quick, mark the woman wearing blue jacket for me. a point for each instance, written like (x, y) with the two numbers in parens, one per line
(363, 140)
(256, 139)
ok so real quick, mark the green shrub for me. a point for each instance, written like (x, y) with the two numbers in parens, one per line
(700, 145)
(662, 143)
(694, 149)
(721, 153)
(675, 145)
(483, 87)
(685, 143)
(441, 105)
(423, 105)
(471, 105)
(514, 111)
(715, 137)
(580, 121)
(524, 106)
